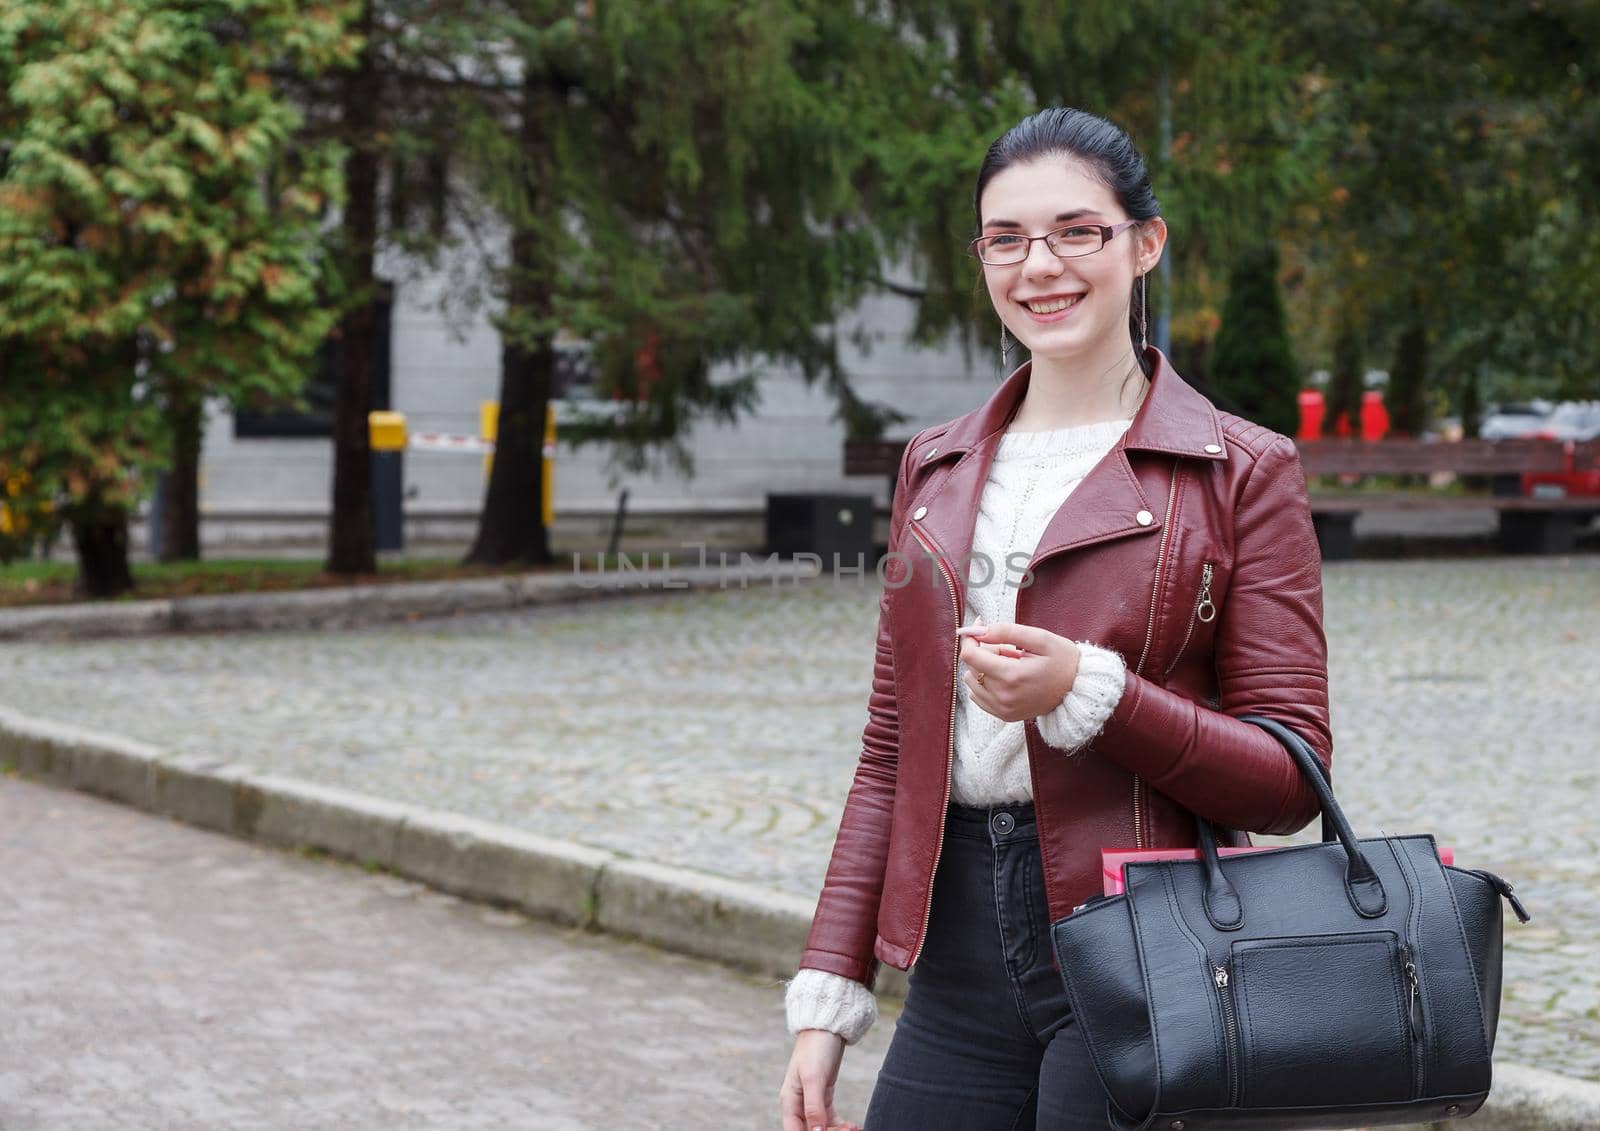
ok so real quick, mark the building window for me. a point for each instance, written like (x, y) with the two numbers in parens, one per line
(574, 371)
(321, 389)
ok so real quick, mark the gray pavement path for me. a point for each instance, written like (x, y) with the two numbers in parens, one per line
(154, 976)
(719, 730)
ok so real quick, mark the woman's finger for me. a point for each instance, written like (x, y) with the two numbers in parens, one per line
(981, 659)
(791, 1102)
(819, 1112)
(1028, 636)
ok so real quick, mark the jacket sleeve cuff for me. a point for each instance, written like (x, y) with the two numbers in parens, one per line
(817, 999)
(1083, 711)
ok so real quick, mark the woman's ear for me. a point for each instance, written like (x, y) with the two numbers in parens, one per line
(1152, 239)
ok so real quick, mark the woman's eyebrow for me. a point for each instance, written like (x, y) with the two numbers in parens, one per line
(1062, 218)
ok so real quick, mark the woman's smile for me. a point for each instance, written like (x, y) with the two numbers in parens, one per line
(1051, 308)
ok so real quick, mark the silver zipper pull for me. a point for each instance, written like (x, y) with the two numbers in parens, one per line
(1206, 611)
(1413, 1011)
(1219, 974)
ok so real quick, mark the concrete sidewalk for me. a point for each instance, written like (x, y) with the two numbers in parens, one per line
(165, 977)
(159, 976)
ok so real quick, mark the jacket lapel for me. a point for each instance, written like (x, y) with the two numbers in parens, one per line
(949, 513)
(1108, 504)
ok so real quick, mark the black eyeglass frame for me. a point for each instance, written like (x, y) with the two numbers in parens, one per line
(1107, 231)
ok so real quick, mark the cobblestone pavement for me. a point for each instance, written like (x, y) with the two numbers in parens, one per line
(161, 978)
(719, 731)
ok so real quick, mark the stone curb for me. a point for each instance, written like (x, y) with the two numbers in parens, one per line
(355, 605)
(696, 913)
(709, 916)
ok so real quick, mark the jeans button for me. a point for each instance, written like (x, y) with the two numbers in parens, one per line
(1002, 823)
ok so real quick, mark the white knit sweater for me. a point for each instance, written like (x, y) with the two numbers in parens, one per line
(1031, 476)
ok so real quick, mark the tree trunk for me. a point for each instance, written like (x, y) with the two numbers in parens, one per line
(100, 535)
(511, 524)
(351, 538)
(180, 500)
(1345, 388)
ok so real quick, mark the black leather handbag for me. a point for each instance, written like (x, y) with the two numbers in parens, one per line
(1342, 984)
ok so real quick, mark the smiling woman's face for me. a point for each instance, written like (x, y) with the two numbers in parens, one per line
(1036, 197)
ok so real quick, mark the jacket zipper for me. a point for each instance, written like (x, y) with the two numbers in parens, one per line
(1414, 1018)
(1149, 635)
(1230, 1021)
(950, 758)
(1204, 612)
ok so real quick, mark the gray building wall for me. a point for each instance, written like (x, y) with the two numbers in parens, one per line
(277, 489)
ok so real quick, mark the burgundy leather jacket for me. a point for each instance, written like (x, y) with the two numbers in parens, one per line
(1188, 549)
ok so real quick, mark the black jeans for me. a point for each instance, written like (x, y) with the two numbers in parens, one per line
(986, 1041)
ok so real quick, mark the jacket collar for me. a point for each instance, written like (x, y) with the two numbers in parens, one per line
(1174, 418)
(1109, 503)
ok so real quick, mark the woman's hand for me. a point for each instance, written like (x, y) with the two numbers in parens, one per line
(806, 1099)
(1026, 670)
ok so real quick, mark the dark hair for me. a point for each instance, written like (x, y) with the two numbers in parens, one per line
(1105, 149)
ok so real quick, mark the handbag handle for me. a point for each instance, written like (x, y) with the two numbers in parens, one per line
(1362, 885)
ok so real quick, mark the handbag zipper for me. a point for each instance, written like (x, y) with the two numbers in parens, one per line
(950, 758)
(1230, 1021)
(1414, 1018)
(1200, 614)
(1149, 635)
(1505, 891)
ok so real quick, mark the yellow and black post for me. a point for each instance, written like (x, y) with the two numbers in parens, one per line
(387, 434)
(547, 502)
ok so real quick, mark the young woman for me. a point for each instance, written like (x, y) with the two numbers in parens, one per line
(1088, 576)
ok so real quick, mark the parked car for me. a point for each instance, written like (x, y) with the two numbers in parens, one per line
(1515, 421)
(1574, 422)
(1571, 420)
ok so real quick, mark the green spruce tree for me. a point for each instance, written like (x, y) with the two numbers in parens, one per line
(687, 187)
(1252, 363)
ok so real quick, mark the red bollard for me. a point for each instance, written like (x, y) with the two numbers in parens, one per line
(1312, 406)
(1374, 417)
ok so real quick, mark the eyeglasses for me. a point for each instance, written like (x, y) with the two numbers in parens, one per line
(1006, 248)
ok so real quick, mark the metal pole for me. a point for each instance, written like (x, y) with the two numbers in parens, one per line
(1164, 101)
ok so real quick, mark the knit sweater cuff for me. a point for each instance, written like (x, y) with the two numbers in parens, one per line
(820, 999)
(1083, 711)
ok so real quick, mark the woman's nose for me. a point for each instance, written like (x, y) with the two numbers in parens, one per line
(1041, 261)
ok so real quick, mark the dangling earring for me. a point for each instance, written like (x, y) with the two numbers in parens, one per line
(1144, 311)
(1005, 347)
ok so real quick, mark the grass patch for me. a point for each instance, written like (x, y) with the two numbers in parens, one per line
(49, 583)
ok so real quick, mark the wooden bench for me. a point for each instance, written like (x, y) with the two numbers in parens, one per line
(1528, 524)
(875, 457)
(1537, 524)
